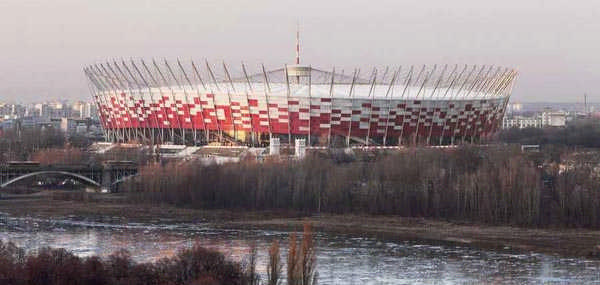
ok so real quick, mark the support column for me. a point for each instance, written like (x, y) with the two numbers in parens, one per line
(454, 108)
(107, 113)
(199, 99)
(187, 104)
(95, 89)
(229, 99)
(169, 106)
(435, 102)
(267, 92)
(252, 133)
(160, 126)
(206, 130)
(147, 85)
(448, 115)
(331, 106)
(114, 88)
(408, 81)
(107, 177)
(141, 100)
(129, 98)
(389, 99)
(425, 81)
(287, 81)
(354, 77)
(466, 97)
(212, 76)
(309, 104)
(371, 107)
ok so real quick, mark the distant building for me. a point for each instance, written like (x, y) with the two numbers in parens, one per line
(7, 124)
(554, 119)
(84, 110)
(72, 126)
(11, 111)
(42, 110)
(68, 125)
(521, 122)
(514, 108)
(30, 122)
(545, 119)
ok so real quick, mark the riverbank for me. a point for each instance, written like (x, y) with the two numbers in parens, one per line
(113, 208)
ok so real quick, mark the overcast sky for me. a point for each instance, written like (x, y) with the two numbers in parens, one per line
(555, 45)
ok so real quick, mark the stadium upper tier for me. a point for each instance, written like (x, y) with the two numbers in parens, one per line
(384, 105)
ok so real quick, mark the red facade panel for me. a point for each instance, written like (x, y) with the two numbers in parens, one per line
(406, 119)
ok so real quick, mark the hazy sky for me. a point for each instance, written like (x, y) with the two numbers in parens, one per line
(555, 45)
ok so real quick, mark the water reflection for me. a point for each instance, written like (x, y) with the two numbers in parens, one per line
(341, 259)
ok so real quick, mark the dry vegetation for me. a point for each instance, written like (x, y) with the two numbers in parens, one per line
(494, 185)
(65, 155)
(58, 266)
(50, 146)
(19, 145)
(274, 266)
(196, 265)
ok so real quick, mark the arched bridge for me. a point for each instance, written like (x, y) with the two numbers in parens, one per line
(107, 175)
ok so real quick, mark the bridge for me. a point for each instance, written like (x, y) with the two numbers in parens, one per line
(105, 176)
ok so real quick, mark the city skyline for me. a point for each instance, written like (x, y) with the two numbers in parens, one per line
(551, 43)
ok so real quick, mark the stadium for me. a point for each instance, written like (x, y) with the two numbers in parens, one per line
(191, 103)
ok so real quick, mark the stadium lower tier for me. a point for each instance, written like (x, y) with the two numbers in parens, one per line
(244, 118)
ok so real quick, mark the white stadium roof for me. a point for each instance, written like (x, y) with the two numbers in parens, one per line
(451, 82)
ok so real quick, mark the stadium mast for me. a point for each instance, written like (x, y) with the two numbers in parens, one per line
(298, 43)
(585, 108)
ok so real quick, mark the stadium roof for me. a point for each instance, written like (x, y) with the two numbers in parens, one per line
(452, 82)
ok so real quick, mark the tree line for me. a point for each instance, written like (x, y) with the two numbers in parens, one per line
(196, 265)
(19, 144)
(50, 146)
(493, 185)
(579, 133)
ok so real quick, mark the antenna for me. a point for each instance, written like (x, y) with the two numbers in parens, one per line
(298, 43)
(585, 109)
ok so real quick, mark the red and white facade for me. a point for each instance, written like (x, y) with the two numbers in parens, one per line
(188, 103)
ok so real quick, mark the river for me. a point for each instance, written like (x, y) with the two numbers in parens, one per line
(341, 259)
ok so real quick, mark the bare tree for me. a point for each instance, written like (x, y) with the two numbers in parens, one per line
(274, 266)
(308, 257)
(293, 276)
